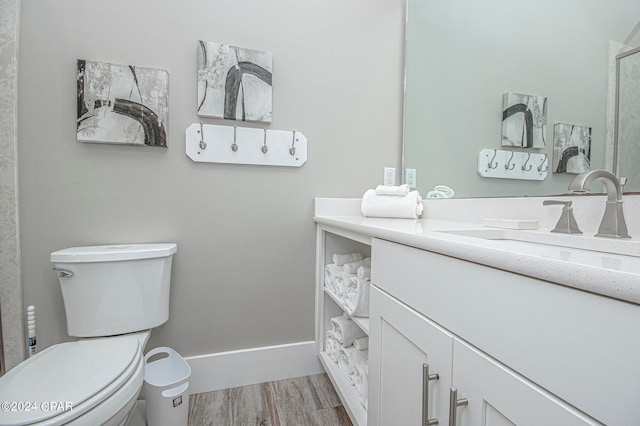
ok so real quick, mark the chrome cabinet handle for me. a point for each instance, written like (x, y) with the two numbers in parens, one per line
(454, 403)
(426, 377)
(63, 273)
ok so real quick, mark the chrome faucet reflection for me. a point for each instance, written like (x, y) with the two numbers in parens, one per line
(613, 224)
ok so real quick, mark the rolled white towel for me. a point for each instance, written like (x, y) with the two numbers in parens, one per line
(364, 272)
(361, 380)
(342, 280)
(332, 346)
(356, 297)
(347, 360)
(352, 267)
(341, 259)
(346, 331)
(331, 271)
(407, 207)
(401, 190)
(361, 344)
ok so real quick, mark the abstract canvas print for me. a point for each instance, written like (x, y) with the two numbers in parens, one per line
(571, 148)
(524, 120)
(234, 83)
(122, 104)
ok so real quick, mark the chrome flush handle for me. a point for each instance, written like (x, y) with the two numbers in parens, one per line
(63, 273)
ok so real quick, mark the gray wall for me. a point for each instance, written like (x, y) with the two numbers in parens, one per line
(244, 272)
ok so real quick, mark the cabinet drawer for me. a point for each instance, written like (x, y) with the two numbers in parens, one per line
(579, 346)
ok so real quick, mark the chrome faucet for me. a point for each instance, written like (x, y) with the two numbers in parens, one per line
(613, 224)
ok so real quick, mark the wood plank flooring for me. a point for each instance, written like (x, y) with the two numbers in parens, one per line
(301, 401)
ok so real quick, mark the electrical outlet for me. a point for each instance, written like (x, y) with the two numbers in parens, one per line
(410, 178)
(390, 176)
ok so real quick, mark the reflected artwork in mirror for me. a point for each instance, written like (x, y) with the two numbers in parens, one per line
(461, 58)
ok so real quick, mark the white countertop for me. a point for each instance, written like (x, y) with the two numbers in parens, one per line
(607, 274)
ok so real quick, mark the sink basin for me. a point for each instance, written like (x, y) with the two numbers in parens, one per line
(626, 247)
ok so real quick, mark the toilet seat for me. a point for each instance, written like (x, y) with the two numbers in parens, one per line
(81, 375)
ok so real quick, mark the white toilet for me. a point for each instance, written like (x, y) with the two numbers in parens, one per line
(113, 296)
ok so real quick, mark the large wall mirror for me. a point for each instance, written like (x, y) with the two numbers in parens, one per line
(461, 58)
(627, 118)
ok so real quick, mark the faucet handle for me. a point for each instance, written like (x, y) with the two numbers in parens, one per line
(567, 223)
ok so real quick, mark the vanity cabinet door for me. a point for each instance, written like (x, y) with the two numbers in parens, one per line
(405, 348)
(497, 396)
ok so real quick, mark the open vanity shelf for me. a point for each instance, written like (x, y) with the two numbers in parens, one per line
(329, 242)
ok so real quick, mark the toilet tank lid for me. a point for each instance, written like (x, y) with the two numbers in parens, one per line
(112, 253)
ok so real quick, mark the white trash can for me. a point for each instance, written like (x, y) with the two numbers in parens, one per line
(166, 379)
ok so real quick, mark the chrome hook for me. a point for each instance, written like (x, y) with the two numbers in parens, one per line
(265, 148)
(544, 160)
(234, 145)
(292, 150)
(525, 164)
(506, 166)
(203, 144)
(490, 165)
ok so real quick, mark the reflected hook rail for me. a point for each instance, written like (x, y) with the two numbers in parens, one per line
(490, 165)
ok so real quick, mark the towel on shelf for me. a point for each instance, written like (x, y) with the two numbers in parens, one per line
(361, 344)
(364, 272)
(348, 358)
(331, 271)
(408, 207)
(361, 382)
(401, 190)
(342, 280)
(332, 346)
(352, 267)
(346, 331)
(356, 297)
(341, 259)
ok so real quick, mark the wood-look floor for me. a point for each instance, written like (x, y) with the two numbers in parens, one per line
(301, 401)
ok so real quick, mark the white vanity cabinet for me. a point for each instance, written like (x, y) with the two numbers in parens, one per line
(518, 350)
(330, 241)
(416, 366)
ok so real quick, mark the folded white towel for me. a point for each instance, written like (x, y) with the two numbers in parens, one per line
(352, 267)
(361, 344)
(347, 360)
(364, 272)
(346, 331)
(407, 207)
(356, 297)
(401, 190)
(331, 271)
(332, 346)
(341, 259)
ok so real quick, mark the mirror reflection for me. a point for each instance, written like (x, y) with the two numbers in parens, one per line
(463, 57)
(627, 133)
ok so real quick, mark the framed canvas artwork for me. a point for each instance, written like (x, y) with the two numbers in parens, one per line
(234, 83)
(122, 104)
(524, 120)
(571, 148)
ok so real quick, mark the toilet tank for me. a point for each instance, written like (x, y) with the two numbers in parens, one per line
(114, 289)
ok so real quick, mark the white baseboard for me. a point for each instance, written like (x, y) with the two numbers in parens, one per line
(225, 370)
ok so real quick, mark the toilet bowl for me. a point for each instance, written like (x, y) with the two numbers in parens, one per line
(113, 296)
(91, 382)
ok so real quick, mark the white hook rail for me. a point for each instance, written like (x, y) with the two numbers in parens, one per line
(210, 143)
(508, 164)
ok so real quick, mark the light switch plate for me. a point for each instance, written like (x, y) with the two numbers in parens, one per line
(410, 178)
